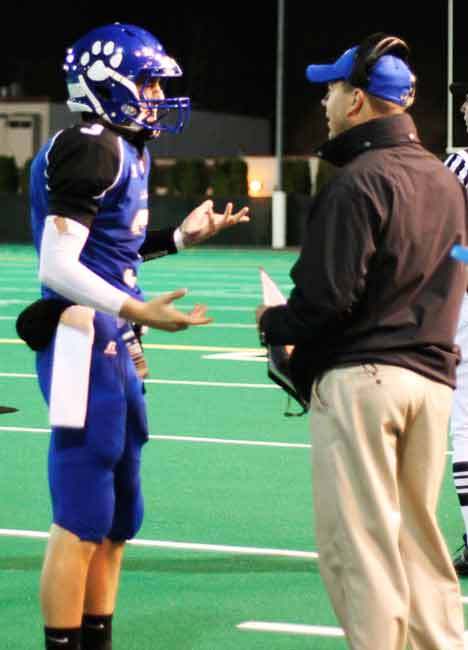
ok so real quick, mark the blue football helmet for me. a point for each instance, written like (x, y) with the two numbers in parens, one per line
(107, 71)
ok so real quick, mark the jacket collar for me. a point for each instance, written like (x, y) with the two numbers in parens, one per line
(375, 134)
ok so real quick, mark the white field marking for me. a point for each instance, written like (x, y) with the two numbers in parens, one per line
(238, 356)
(162, 285)
(200, 282)
(177, 382)
(291, 628)
(19, 290)
(240, 326)
(224, 308)
(241, 273)
(217, 441)
(163, 346)
(253, 295)
(26, 429)
(217, 325)
(227, 441)
(184, 546)
(18, 375)
(306, 630)
(200, 348)
(210, 383)
(226, 268)
(4, 303)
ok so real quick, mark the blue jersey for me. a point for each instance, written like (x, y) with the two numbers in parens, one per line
(91, 173)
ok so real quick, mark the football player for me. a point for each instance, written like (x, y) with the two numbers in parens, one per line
(89, 210)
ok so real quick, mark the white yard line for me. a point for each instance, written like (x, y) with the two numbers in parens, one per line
(217, 325)
(183, 546)
(214, 384)
(216, 293)
(174, 382)
(294, 628)
(230, 441)
(196, 439)
(166, 346)
(4, 303)
(240, 326)
(290, 628)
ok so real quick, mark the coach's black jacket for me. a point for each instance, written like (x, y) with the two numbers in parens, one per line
(374, 282)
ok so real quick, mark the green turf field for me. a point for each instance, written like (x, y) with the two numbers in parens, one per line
(228, 532)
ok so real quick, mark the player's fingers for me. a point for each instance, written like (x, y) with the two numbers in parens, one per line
(198, 310)
(200, 320)
(206, 206)
(198, 315)
(173, 295)
(242, 215)
(211, 225)
(228, 210)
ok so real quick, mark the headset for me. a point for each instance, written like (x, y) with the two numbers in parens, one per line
(370, 50)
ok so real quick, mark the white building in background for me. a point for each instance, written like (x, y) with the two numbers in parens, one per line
(25, 125)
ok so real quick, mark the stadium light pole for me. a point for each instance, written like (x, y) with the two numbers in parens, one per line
(449, 76)
(278, 225)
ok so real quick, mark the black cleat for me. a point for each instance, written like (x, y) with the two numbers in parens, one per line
(460, 561)
(7, 409)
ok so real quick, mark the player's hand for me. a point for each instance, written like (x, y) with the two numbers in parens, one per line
(203, 223)
(160, 313)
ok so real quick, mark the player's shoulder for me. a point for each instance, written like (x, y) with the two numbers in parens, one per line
(88, 137)
(89, 153)
(84, 147)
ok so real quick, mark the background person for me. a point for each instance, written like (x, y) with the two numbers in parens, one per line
(458, 163)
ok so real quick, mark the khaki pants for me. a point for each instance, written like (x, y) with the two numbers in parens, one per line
(379, 454)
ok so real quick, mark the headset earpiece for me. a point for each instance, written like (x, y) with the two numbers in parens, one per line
(370, 51)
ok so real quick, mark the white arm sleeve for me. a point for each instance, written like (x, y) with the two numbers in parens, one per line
(61, 270)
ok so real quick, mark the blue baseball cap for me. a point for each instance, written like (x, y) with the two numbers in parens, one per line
(390, 77)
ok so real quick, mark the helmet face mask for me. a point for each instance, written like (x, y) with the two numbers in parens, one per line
(108, 71)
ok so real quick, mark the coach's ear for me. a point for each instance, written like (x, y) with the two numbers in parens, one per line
(37, 323)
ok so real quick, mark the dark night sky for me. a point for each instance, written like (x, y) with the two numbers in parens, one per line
(228, 52)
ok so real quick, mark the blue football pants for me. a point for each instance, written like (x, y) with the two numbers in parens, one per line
(94, 472)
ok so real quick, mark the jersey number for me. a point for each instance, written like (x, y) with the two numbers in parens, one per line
(140, 221)
(94, 129)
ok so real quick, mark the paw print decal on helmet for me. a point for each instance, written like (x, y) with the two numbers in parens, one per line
(107, 71)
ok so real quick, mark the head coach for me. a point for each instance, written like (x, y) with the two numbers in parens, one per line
(372, 316)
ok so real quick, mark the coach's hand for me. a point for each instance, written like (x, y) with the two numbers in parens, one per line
(161, 314)
(203, 223)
